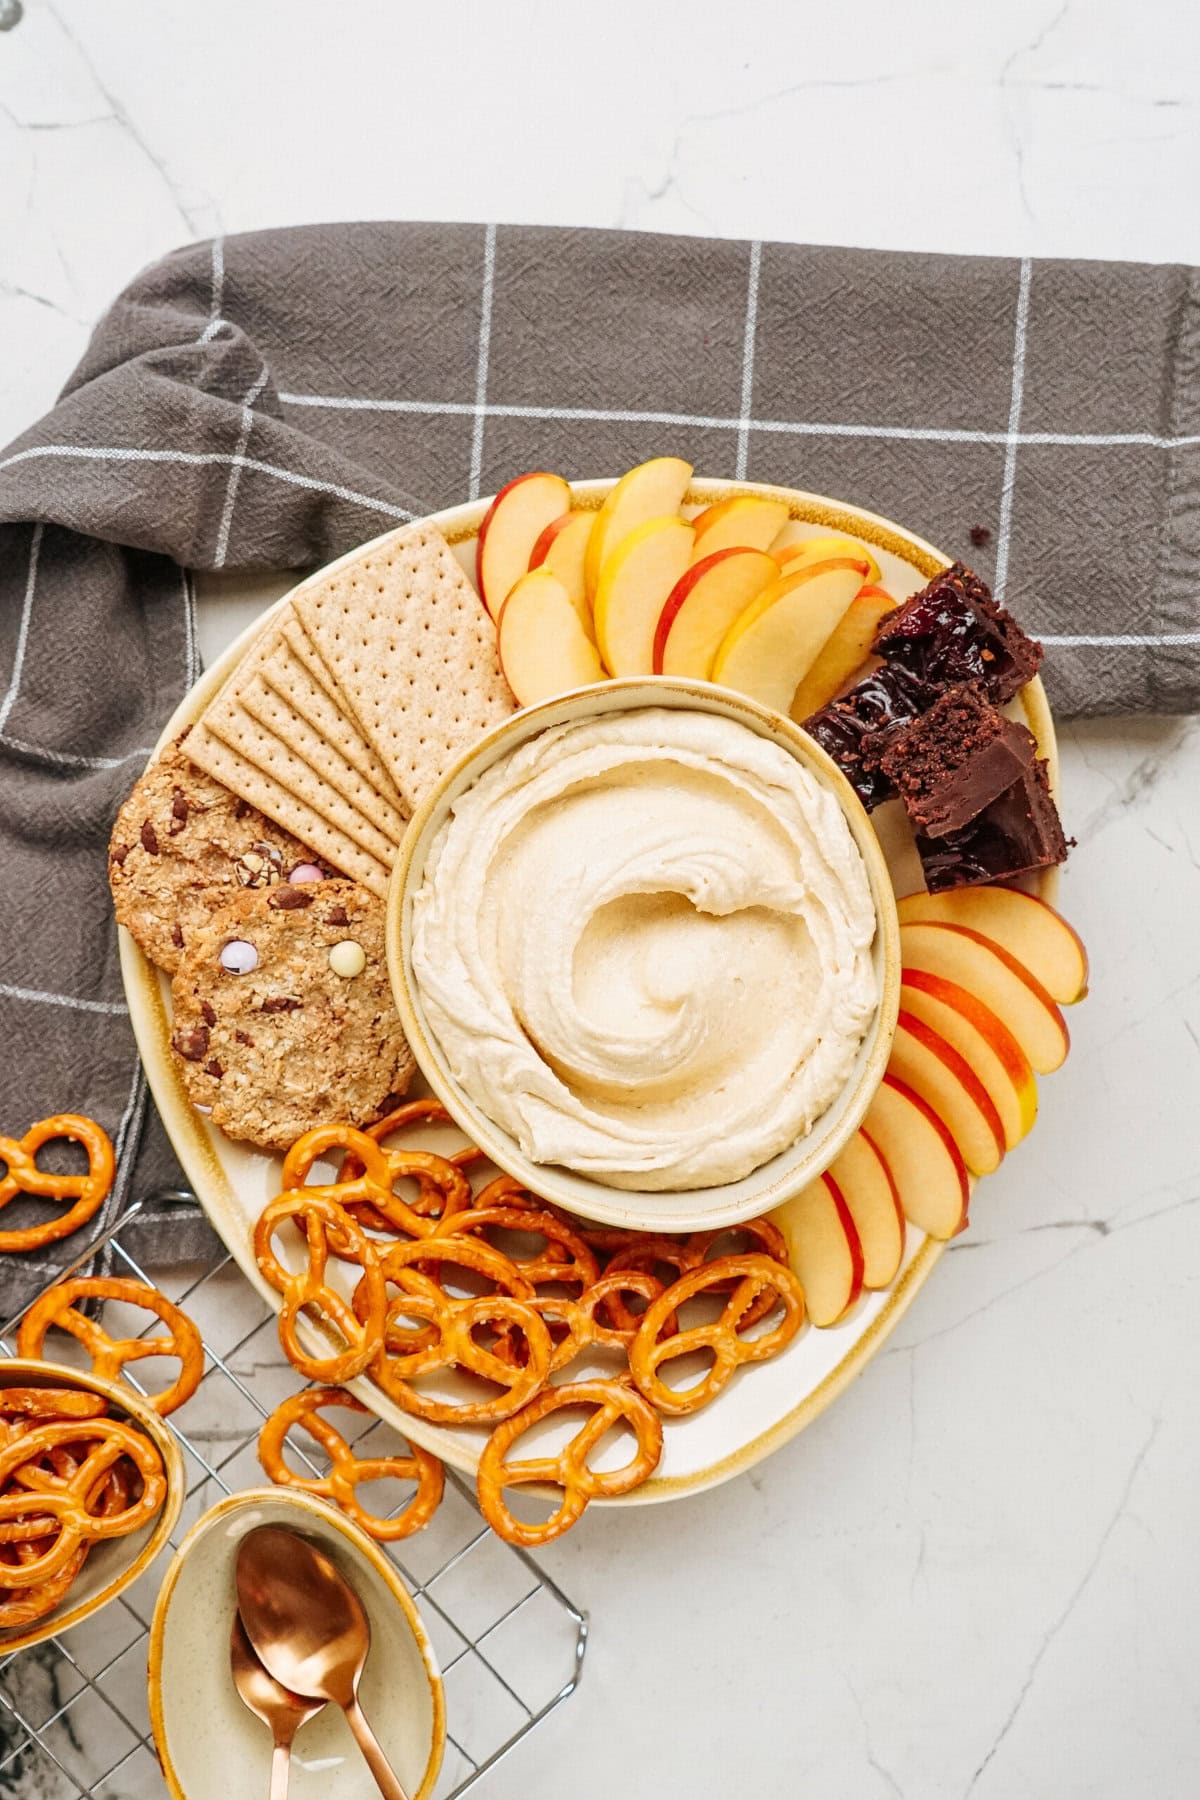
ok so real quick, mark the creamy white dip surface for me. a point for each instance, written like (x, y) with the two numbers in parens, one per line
(643, 944)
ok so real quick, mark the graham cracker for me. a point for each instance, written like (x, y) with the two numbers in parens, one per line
(313, 828)
(291, 679)
(322, 753)
(261, 748)
(303, 649)
(410, 646)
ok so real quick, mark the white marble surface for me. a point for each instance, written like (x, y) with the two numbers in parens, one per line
(976, 1574)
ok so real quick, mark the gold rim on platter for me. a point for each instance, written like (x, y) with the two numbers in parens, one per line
(199, 1146)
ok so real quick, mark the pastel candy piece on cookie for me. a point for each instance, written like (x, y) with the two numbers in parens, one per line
(413, 650)
(285, 1042)
(181, 843)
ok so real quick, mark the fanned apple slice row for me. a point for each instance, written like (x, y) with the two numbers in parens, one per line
(844, 655)
(562, 548)
(930, 1175)
(650, 491)
(974, 962)
(823, 1249)
(741, 522)
(803, 551)
(511, 526)
(637, 577)
(983, 1041)
(1028, 928)
(543, 648)
(865, 1183)
(769, 650)
(926, 1063)
(702, 606)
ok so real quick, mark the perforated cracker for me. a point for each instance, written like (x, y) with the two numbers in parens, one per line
(289, 677)
(284, 725)
(313, 828)
(413, 651)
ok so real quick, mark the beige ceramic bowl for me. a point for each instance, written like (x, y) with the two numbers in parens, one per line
(684, 1209)
(113, 1563)
(210, 1746)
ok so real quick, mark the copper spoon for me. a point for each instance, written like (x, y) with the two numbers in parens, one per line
(278, 1708)
(309, 1629)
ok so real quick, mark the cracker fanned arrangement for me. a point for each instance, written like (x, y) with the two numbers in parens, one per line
(369, 683)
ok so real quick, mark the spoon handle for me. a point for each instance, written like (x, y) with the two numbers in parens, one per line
(281, 1763)
(376, 1761)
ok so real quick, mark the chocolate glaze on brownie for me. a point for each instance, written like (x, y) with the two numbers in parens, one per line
(1019, 832)
(953, 761)
(885, 700)
(953, 631)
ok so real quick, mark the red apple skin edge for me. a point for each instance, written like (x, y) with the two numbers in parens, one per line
(529, 475)
(1018, 969)
(857, 1260)
(541, 548)
(943, 1131)
(892, 1188)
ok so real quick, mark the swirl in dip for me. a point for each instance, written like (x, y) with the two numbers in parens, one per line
(643, 944)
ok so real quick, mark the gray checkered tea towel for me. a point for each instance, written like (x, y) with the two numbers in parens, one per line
(268, 401)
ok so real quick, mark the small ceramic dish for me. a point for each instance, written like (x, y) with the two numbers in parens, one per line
(684, 1209)
(113, 1563)
(202, 1730)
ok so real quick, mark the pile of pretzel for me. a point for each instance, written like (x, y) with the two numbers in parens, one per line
(581, 1289)
(70, 1476)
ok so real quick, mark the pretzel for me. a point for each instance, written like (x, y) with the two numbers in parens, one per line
(685, 1254)
(415, 1112)
(581, 1328)
(362, 1335)
(111, 1355)
(59, 1508)
(20, 1607)
(347, 1471)
(565, 1258)
(370, 1186)
(50, 1403)
(24, 1177)
(752, 1276)
(569, 1470)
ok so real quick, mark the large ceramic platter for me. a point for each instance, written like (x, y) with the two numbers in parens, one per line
(764, 1406)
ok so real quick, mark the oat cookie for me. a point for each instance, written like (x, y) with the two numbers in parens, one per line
(283, 1013)
(181, 844)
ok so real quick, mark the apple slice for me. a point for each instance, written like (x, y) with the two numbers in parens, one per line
(1029, 929)
(543, 648)
(769, 650)
(927, 1064)
(650, 491)
(635, 582)
(823, 1249)
(865, 1184)
(562, 548)
(802, 551)
(983, 1041)
(742, 522)
(702, 606)
(993, 976)
(511, 526)
(930, 1175)
(844, 654)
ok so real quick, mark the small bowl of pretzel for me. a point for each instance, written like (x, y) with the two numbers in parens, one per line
(91, 1483)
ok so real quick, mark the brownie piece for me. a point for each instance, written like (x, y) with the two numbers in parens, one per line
(881, 703)
(953, 761)
(1016, 833)
(953, 632)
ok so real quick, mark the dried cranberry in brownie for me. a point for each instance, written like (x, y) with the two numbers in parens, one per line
(885, 700)
(953, 631)
(182, 843)
(284, 1015)
(954, 760)
(1018, 833)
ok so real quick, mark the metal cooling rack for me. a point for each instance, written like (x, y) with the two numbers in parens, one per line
(73, 1716)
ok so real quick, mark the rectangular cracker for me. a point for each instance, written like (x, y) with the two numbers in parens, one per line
(321, 754)
(289, 677)
(240, 731)
(411, 648)
(311, 827)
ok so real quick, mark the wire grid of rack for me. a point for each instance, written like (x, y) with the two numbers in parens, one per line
(510, 1644)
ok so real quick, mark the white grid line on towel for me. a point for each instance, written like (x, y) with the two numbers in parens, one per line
(749, 334)
(1020, 333)
(235, 472)
(113, 1008)
(481, 370)
(14, 686)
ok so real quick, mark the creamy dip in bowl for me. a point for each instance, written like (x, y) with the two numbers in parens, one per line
(639, 950)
